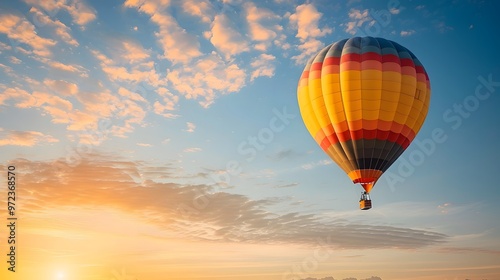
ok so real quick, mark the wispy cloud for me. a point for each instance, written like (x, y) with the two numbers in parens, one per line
(134, 52)
(263, 65)
(465, 250)
(405, 33)
(227, 39)
(80, 12)
(74, 68)
(144, 145)
(202, 9)
(357, 19)
(91, 107)
(312, 165)
(60, 29)
(167, 105)
(25, 138)
(442, 27)
(15, 60)
(225, 217)
(20, 98)
(306, 20)
(178, 45)
(4, 46)
(190, 127)
(286, 185)
(21, 30)
(263, 25)
(125, 71)
(134, 96)
(395, 11)
(194, 74)
(208, 78)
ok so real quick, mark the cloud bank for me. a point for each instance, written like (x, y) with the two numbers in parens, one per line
(199, 211)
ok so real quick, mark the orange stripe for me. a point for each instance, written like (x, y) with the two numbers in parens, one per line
(331, 69)
(316, 74)
(391, 66)
(407, 70)
(350, 65)
(371, 65)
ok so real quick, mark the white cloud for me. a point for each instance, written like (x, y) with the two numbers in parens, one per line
(263, 66)
(73, 68)
(131, 95)
(227, 39)
(14, 60)
(25, 138)
(21, 30)
(127, 73)
(144, 145)
(60, 29)
(92, 107)
(395, 11)
(4, 46)
(312, 165)
(168, 104)
(80, 12)
(61, 87)
(228, 217)
(208, 77)
(306, 20)
(405, 33)
(134, 52)
(178, 45)
(192, 150)
(256, 18)
(202, 9)
(20, 98)
(190, 127)
(357, 19)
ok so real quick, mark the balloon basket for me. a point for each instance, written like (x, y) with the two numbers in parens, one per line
(365, 204)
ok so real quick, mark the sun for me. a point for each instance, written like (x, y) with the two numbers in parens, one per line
(60, 275)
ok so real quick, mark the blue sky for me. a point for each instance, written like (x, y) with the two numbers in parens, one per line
(177, 121)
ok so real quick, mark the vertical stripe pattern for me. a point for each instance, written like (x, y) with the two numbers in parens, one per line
(363, 100)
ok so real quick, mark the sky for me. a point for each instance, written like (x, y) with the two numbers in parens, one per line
(161, 139)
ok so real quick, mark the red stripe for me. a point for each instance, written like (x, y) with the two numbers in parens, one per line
(371, 56)
(316, 66)
(368, 134)
(332, 60)
(407, 62)
(350, 57)
(391, 58)
(361, 57)
(419, 69)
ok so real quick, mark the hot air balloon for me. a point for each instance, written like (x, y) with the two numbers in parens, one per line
(363, 100)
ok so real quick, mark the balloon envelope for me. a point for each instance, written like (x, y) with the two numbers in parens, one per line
(363, 100)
